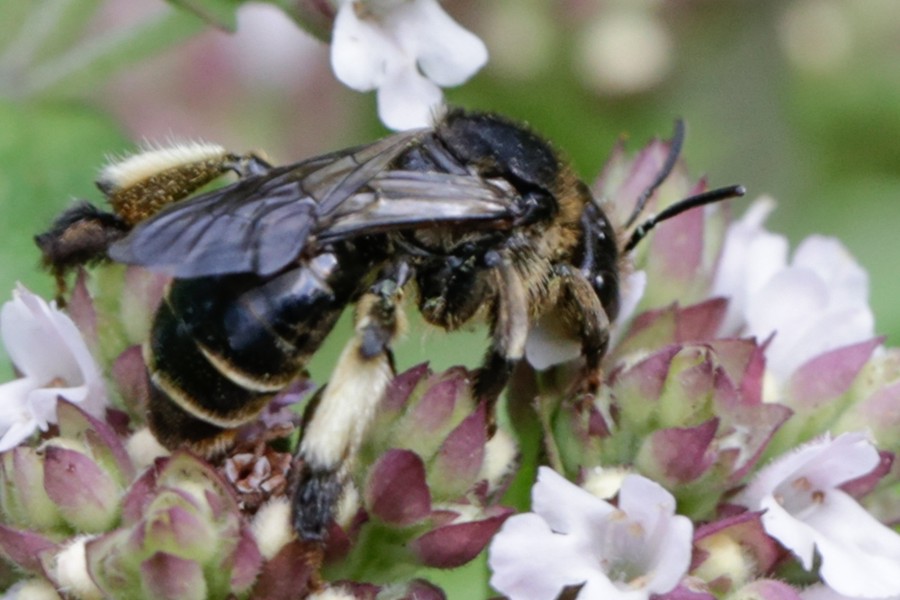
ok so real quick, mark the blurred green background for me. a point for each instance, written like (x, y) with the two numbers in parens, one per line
(797, 99)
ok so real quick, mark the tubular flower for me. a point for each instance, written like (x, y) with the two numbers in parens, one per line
(405, 49)
(49, 352)
(807, 509)
(576, 540)
(817, 303)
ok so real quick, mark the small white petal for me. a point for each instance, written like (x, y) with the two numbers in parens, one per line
(551, 342)
(12, 400)
(48, 349)
(360, 50)
(42, 402)
(575, 538)
(28, 335)
(806, 510)
(406, 100)
(793, 534)
(531, 562)
(831, 261)
(566, 507)
(648, 503)
(846, 457)
(859, 554)
(445, 51)
(817, 303)
(405, 49)
(17, 433)
(750, 256)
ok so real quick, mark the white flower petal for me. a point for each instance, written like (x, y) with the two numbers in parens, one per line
(406, 100)
(551, 342)
(860, 556)
(388, 45)
(829, 259)
(48, 349)
(12, 399)
(806, 510)
(793, 533)
(767, 311)
(445, 51)
(16, 434)
(672, 561)
(830, 462)
(16, 423)
(572, 538)
(566, 507)
(817, 303)
(28, 335)
(361, 50)
(651, 505)
(531, 562)
(42, 402)
(750, 256)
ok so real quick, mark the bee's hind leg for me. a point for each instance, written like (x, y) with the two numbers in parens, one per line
(509, 329)
(332, 436)
(580, 306)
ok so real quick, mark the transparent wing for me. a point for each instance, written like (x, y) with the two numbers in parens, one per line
(261, 224)
(397, 200)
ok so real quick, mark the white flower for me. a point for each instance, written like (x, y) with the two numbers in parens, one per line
(54, 361)
(817, 303)
(573, 538)
(405, 49)
(806, 509)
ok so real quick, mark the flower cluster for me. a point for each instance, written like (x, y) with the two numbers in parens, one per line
(92, 506)
(741, 446)
(748, 394)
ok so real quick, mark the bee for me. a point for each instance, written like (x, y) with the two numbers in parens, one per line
(477, 214)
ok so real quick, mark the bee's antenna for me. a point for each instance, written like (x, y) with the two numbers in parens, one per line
(668, 165)
(679, 207)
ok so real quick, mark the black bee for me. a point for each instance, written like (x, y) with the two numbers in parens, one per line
(478, 214)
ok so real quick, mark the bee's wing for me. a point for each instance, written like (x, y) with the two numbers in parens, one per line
(222, 232)
(396, 200)
(258, 224)
(261, 224)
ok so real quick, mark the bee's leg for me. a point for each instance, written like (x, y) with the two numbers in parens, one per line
(246, 165)
(80, 235)
(580, 305)
(509, 329)
(332, 437)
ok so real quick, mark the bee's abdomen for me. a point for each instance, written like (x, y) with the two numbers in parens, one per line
(221, 347)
